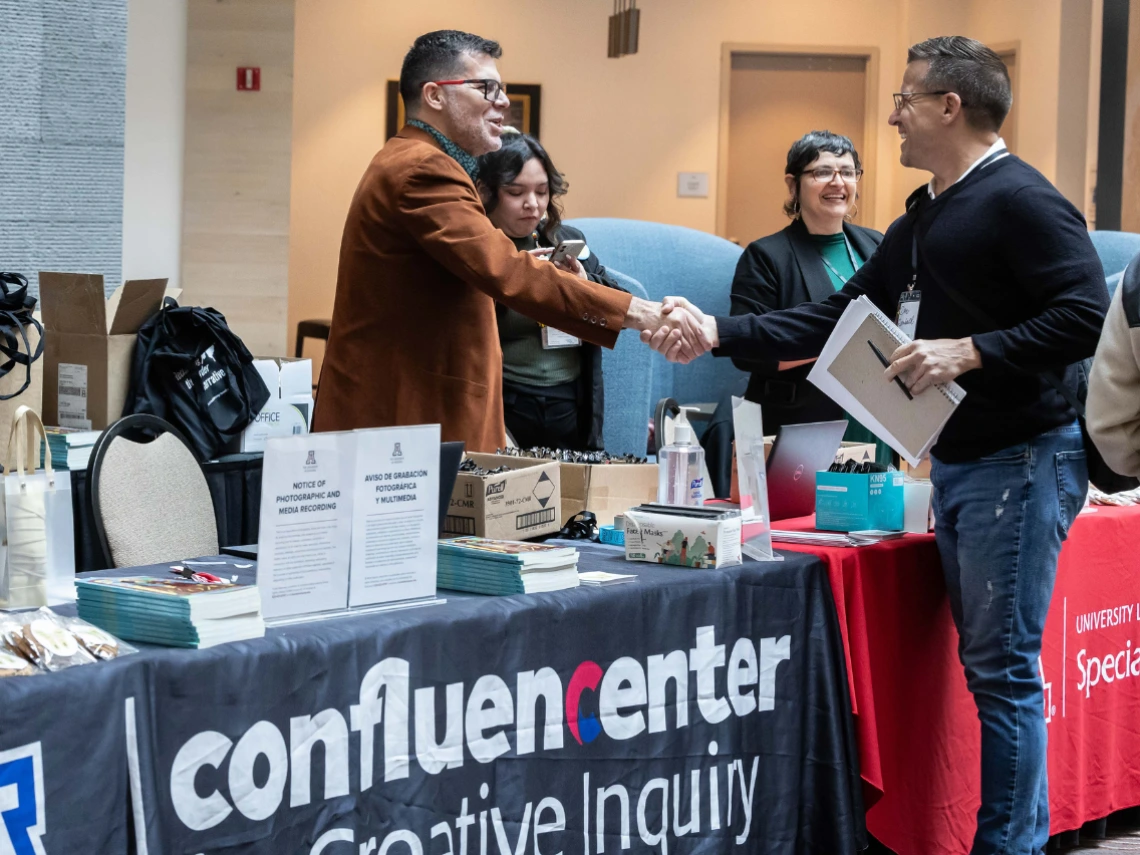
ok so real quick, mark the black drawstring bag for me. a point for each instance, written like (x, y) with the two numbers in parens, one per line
(191, 370)
(16, 309)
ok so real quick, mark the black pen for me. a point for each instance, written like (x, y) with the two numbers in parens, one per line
(879, 355)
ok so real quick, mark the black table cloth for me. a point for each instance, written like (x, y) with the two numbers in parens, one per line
(689, 711)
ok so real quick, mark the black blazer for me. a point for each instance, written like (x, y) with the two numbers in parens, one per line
(778, 272)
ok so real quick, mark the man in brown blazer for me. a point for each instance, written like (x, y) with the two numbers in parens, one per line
(414, 338)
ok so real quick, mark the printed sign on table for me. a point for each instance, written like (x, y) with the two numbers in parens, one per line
(306, 521)
(395, 517)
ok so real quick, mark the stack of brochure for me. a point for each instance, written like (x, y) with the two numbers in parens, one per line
(835, 538)
(70, 447)
(498, 567)
(172, 612)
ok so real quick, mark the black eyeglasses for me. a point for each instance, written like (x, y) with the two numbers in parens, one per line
(904, 98)
(491, 88)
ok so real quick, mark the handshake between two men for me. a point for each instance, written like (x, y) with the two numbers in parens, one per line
(681, 332)
(674, 328)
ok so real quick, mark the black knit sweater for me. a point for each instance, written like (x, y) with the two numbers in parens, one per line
(1004, 238)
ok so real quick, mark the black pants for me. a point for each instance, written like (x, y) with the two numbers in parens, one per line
(543, 416)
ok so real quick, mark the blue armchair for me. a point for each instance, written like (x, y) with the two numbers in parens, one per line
(1115, 249)
(628, 370)
(680, 261)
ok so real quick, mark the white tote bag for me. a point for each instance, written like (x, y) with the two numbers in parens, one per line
(37, 552)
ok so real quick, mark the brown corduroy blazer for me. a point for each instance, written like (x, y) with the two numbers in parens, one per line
(414, 338)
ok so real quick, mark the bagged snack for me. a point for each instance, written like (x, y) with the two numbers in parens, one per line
(12, 665)
(99, 643)
(10, 629)
(46, 641)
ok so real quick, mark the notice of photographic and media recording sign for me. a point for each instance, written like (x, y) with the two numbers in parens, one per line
(306, 524)
(348, 519)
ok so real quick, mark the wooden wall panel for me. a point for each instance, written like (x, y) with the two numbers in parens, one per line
(235, 219)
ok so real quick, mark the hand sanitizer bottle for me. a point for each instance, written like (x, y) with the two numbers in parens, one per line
(680, 466)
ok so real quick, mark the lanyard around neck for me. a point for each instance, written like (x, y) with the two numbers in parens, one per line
(850, 255)
(914, 225)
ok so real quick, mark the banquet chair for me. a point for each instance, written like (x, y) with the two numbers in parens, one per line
(149, 498)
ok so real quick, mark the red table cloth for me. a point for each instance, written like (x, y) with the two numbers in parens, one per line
(915, 721)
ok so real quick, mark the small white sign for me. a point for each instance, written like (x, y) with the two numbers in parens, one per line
(395, 515)
(693, 184)
(306, 524)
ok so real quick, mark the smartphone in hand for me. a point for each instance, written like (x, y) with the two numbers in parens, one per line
(567, 249)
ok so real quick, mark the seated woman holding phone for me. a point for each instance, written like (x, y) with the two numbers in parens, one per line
(552, 382)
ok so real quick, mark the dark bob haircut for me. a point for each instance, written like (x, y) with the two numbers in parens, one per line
(436, 56)
(499, 168)
(803, 154)
(973, 71)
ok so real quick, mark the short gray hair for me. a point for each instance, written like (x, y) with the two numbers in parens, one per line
(973, 71)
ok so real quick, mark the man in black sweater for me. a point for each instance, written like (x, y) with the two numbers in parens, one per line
(1010, 288)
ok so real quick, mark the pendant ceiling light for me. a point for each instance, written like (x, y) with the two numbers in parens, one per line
(624, 25)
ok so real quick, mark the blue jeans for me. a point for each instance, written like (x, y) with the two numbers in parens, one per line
(999, 523)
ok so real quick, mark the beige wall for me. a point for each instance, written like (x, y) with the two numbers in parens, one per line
(235, 219)
(153, 138)
(773, 100)
(621, 129)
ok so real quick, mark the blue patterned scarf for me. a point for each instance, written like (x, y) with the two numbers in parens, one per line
(469, 164)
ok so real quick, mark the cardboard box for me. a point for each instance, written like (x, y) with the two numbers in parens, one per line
(921, 472)
(514, 505)
(683, 541)
(289, 410)
(846, 501)
(606, 489)
(89, 342)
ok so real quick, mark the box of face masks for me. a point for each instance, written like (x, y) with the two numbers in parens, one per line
(683, 536)
(847, 501)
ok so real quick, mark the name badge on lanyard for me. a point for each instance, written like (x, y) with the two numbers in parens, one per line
(907, 318)
(553, 339)
(911, 299)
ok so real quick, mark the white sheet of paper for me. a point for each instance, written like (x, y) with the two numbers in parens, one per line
(395, 515)
(306, 519)
(853, 316)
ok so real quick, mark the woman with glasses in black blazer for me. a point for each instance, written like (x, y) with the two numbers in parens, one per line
(810, 259)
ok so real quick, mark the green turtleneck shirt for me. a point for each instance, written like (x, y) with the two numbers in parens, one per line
(524, 359)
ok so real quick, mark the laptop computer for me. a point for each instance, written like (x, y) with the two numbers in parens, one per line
(450, 456)
(798, 453)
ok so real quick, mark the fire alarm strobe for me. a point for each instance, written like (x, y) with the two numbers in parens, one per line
(249, 79)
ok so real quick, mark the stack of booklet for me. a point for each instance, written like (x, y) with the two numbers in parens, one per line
(71, 447)
(835, 538)
(482, 566)
(172, 612)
